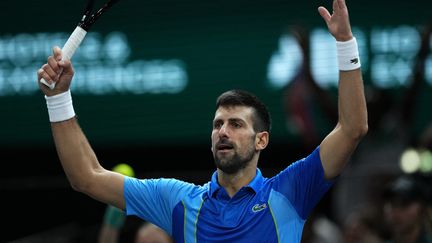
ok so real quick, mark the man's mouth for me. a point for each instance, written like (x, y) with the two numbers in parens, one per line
(224, 147)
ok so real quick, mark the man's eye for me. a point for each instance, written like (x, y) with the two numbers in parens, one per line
(217, 125)
(236, 125)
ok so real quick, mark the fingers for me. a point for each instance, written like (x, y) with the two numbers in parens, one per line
(51, 71)
(57, 53)
(339, 9)
(335, 5)
(324, 14)
(57, 74)
(341, 4)
(66, 67)
(54, 66)
(43, 75)
(338, 21)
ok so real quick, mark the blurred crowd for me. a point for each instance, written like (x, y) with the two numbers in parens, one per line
(382, 196)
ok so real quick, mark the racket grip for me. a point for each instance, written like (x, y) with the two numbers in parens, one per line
(69, 48)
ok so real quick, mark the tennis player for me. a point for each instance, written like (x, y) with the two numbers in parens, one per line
(238, 204)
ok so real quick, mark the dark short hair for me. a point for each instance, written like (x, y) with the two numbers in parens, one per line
(404, 189)
(261, 119)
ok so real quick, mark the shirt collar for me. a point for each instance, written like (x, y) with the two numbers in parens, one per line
(255, 184)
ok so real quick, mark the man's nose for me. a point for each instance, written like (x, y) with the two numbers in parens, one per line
(223, 131)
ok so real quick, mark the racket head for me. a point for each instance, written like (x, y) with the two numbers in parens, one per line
(88, 7)
(87, 12)
(90, 18)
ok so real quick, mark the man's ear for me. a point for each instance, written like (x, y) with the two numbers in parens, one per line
(261, 140)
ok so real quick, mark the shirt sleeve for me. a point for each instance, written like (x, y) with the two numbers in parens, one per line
(303, 183)
(154, 199)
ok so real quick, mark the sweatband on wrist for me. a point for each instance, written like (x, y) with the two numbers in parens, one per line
(348, 55)
(60, 107)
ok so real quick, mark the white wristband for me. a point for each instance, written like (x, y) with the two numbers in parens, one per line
(60, 107)
(348, 55)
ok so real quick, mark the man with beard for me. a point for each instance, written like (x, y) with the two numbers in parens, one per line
(238, 204)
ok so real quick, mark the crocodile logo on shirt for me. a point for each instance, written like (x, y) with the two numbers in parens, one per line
(259, 207)
(354, 61)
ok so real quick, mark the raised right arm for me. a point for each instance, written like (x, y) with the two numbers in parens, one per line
(78, 159)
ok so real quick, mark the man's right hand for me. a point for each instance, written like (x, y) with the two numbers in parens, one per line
(55, 70)
(338, 22)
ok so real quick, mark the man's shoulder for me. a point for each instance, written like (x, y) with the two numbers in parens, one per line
(164, 184)
(188, 188)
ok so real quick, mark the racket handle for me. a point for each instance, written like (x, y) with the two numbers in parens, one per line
(69, 48)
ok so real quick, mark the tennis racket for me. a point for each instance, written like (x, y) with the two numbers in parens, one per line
(77, 36)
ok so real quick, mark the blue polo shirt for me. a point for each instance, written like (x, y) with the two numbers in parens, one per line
(267, 210)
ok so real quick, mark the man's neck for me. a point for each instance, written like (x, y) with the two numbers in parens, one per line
(234, 182)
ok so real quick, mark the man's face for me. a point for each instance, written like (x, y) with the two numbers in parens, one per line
(403, 217)
(233, 138)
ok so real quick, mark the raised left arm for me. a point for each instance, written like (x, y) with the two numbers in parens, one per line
(337, 147)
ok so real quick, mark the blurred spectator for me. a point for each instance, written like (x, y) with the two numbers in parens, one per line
(150, 233)
(406, 211)
(112, 224)
(303, 97)
(320, 229)
(425, 140)
(361, 226)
